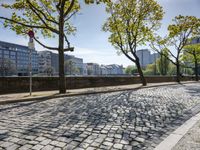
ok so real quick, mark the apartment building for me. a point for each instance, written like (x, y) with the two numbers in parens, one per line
(19, 56)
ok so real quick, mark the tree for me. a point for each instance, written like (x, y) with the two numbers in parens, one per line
(150, 69)
(184, 28)
(163, 62)
(172, 69)
(51, 18)
(131, 70)
(191, 55)
(131, 24)
(7, 67)
(70, 68)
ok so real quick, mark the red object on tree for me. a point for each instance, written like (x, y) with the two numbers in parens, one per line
(31, 34)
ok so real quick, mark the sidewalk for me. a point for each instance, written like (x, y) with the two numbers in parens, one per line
(44, 95)
(186, 137)
(191, 140)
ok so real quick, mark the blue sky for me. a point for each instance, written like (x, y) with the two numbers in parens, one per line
(91, 43)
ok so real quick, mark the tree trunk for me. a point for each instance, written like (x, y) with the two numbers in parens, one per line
(177, 71)
(143, 80)
(62, 82)
(196, 71)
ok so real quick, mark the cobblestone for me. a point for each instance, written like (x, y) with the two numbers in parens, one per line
(120, 120)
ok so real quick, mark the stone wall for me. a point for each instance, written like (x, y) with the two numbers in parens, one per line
(21, 84)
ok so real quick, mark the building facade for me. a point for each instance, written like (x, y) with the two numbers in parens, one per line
(93, 69)
(154, 57)
(78, 63)
(50, 59)
(44, 61)
(85, 69)
(19, 56)
(113, 69)
(146, 58)
(104, 70)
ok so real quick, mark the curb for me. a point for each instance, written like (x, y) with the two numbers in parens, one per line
(169, 142)
(43, 98)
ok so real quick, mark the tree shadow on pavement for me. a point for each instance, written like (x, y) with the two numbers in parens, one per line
(122, 117)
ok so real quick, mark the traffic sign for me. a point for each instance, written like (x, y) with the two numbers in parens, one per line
(31, 34)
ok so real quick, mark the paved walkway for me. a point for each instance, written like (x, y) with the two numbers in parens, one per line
(130, 119)
(191, 141)
(19, 97)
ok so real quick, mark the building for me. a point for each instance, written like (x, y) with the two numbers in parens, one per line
(154, 57)
(19, 55)
(50, 59)
(115, 69)
(78, 63)
(55, 63)
(103, 70)
(44, 61)
(93, 69)
(146, 58)
(85, 69)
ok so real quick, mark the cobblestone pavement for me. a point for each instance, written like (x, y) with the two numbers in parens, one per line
(120, 120)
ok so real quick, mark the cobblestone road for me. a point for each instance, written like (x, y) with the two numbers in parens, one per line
(120, 120)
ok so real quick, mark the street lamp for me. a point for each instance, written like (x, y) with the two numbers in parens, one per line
(31, 47)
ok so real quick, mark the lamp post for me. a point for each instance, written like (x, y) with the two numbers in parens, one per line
(31, 47)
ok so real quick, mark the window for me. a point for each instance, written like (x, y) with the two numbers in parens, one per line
(6, 52)
(6, 56)
(13, 53)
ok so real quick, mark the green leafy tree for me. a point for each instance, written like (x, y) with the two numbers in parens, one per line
(191, 55)
(51, 18)
(163, 62)
(180, 33)
(131, 70)
(131, 24)
(172, 69)
(150, 69)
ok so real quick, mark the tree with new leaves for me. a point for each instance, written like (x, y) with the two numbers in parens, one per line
(150, 69)
(131, 70)
(163, 62)
(51, 18)
(191, 55)
(180, 33)
(131, 24)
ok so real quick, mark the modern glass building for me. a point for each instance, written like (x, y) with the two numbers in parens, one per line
(19, 56)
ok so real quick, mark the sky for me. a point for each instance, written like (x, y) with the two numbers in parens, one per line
(90, 42)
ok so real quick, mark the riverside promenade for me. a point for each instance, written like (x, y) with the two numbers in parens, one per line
(124, 117)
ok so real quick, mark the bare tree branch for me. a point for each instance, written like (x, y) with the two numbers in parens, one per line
(71, 15)
(43, 45)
